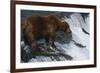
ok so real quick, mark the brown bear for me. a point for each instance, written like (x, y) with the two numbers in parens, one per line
(36, 27)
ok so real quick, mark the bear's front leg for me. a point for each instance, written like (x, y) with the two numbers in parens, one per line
(50, 41)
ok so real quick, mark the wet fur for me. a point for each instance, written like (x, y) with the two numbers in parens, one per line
(37, 27)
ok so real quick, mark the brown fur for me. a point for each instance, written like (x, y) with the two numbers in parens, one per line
(36, 27)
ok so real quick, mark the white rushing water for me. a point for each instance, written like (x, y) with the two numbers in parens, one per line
(76, 24)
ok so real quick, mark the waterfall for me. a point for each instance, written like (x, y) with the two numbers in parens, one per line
(76, 23)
